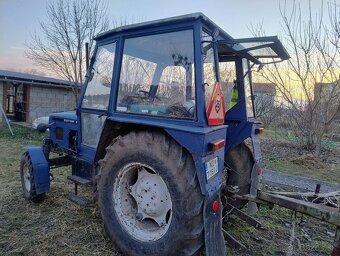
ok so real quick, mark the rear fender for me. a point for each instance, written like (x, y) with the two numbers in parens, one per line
(256, 171)
(198, 142)
(41, 169)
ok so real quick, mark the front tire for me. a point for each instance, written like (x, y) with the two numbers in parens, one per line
(27, 179)
(149, 196)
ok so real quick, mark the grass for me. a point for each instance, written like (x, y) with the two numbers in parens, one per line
(328, 174)
(283, 155)
(54, 227)
(58, 227)
(274, 236)
(274, 133)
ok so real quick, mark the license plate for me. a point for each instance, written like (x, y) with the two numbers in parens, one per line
(211, 168)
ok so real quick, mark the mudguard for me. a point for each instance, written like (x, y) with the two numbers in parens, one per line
(255, 175)
(252, 206)
(214, 239)
(41, 169)
(213, 236)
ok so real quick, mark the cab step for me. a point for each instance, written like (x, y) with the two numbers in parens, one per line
(79, 180)
(74, 197)
(78, 199)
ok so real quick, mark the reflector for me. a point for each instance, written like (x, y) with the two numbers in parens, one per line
(216, 145)
(215, 206)
(216, 108)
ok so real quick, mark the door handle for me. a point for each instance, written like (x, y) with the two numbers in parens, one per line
(102, 114)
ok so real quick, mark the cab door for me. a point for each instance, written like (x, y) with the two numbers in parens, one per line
(93, 108)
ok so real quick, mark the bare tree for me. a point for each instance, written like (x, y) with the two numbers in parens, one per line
(267, 109)
(314, 61)
(59, 48)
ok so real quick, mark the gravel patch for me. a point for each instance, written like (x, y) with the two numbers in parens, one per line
(297, 183)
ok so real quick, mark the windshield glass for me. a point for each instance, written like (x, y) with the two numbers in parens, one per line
(209, 74)
(228, 80)
(98, 88)
(247, 89)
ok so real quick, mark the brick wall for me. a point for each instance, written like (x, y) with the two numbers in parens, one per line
(43, 101)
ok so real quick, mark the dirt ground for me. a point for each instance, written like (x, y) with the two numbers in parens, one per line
(58, 227)
(296, 153)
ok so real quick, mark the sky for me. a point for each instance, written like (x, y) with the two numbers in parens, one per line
(19, 19)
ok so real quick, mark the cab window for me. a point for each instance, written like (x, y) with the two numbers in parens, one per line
(247, 89)
(229, 85)
(97, 92)
(209, 73)
(157, 76)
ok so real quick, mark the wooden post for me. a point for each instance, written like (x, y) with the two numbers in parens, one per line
(336, 249)
(9, 126)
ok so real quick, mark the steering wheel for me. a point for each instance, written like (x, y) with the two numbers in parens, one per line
(145, 92)
(179, 111)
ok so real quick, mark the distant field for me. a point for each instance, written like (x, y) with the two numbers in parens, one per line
(58, 227)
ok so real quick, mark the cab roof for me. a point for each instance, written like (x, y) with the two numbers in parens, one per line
(163, 22)
(259, 50)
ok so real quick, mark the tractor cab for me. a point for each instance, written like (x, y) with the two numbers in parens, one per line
(159, 133)
(165, 74)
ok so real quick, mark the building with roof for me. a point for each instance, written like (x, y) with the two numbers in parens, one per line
(25, 97)
(267, 88)
(265, 95)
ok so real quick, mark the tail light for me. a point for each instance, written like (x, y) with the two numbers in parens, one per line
(259, 130)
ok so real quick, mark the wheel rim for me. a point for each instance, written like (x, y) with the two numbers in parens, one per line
(27, 178)
(142, 202)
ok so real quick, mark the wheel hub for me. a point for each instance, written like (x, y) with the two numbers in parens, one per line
(142, 202)
(152, 197)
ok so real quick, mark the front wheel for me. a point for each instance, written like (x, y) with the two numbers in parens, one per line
(27, 179)
(149, 196)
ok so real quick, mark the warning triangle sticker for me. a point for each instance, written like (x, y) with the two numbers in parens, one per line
(216, 108)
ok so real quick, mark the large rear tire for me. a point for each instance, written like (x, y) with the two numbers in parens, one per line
(239, 163)
(149, 196)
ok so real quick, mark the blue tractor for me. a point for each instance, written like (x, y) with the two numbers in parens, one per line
(159, 133)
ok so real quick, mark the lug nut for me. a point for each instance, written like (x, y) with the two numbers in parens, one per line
(139, 216)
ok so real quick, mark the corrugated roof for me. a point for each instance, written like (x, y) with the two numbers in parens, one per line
(6, 75)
